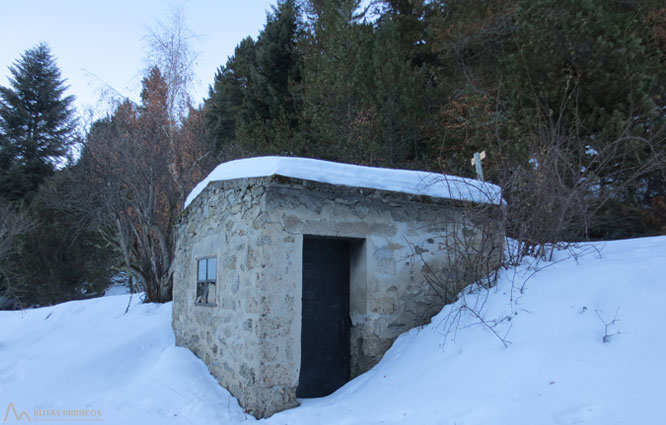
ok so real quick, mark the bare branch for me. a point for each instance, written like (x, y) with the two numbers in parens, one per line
(169, 47)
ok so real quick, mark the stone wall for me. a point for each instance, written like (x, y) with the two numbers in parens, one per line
(255, 227)
(225, 222)
(388, 291)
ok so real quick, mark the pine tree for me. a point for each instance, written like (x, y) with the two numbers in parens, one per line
(591, 73)
(402, 94)
(37, 124)
(253, 107)
(339, 82)
(228, 93)
(278, 70)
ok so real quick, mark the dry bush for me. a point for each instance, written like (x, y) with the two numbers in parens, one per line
(471, 247)
(560, 183)
(13, 224)
(469, 256)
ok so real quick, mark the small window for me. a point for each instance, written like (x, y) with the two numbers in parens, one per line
(206, 276)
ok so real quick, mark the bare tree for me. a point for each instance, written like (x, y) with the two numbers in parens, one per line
(138, 167)
(139, 163)
(170, 48)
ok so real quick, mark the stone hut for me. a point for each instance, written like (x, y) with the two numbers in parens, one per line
(292, 275)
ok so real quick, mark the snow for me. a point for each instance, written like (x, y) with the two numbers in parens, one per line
(407, 181)
(119, 285)
(555, 370)
(116, 289)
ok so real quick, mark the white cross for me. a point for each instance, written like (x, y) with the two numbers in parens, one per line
(476, 162)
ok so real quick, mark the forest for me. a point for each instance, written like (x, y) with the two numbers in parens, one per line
(566, 97)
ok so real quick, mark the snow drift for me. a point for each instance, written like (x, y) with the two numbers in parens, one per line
(557, 369)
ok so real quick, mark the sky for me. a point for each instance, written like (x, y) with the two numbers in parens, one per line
(100, 44)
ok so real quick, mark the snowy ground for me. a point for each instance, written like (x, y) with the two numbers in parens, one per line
(89, 355)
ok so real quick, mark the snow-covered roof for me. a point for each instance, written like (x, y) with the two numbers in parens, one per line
(407, 181)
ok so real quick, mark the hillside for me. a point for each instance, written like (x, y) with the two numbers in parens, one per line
(555, 369)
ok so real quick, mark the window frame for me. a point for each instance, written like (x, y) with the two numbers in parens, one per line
(207, 282)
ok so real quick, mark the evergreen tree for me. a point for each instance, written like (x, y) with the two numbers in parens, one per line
(402, 92)
(576, 87)
(339, 83)
(270, 117)
(58, 259)
(37, 124)
(253, 107)
(225, 97)
(591, 72)
(467, 40)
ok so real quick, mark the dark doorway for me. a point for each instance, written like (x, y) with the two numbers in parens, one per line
(325, 352)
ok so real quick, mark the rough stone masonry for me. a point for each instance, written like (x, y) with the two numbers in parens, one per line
(250, 334)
